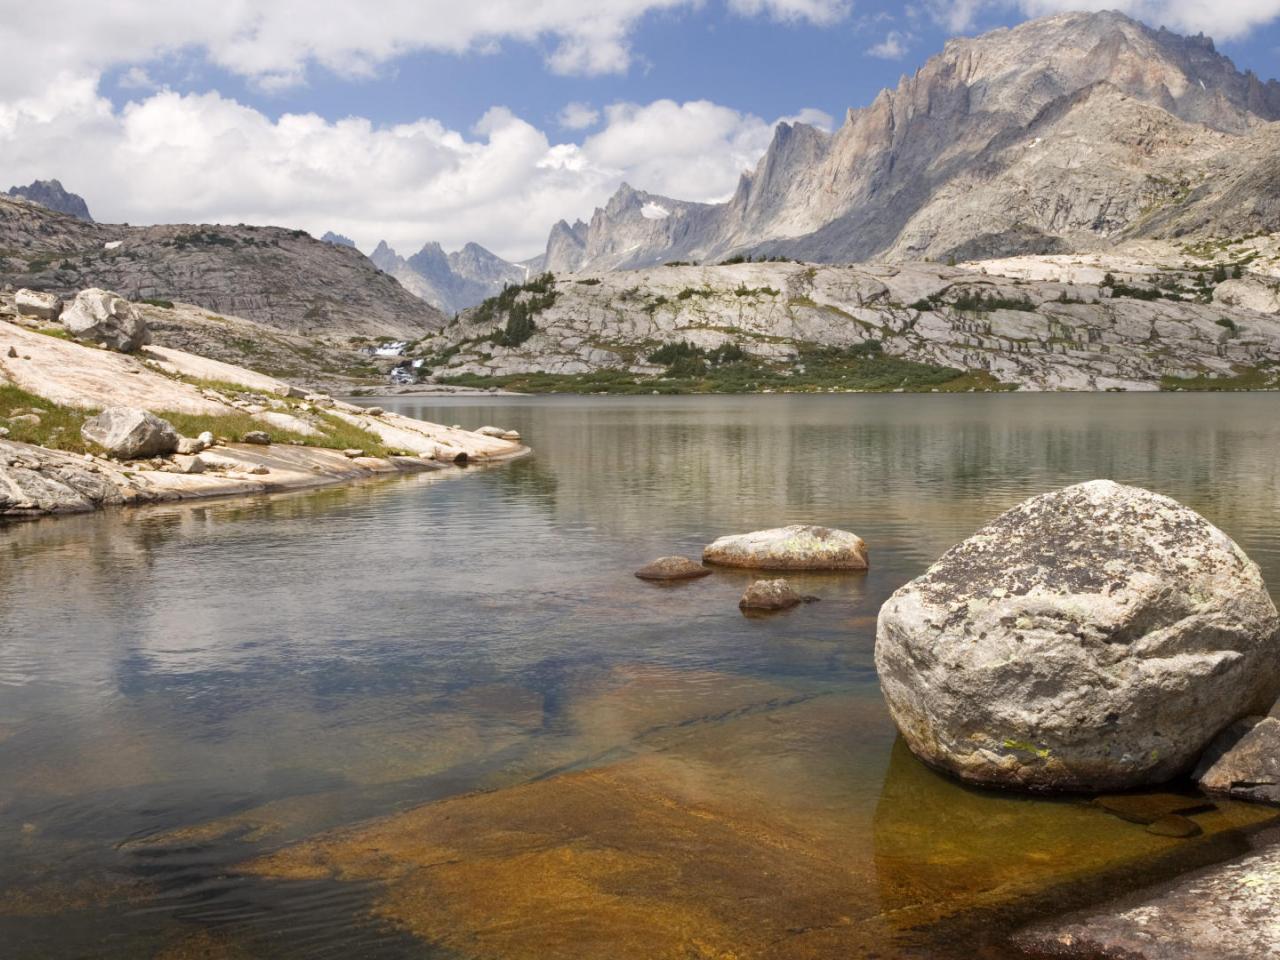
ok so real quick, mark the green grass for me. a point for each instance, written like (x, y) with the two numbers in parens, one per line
(1245, 378)
(58, 429)
(335, 433)
(818, 370)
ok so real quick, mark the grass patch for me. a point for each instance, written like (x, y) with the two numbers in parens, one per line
(155, 302)
(58, 429)
(1244, 379)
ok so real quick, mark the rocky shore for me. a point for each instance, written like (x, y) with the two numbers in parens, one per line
(248, 433)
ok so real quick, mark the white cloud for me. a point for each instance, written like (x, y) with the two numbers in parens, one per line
(1222, 20)
(821, 12)
(892, 47)
(578, 116)
(171, 157)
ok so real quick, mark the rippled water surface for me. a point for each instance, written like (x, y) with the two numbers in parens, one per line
(438, 717)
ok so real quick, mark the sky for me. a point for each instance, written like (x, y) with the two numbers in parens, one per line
(424, 120)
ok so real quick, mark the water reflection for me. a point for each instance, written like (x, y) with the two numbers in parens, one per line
(187, 689)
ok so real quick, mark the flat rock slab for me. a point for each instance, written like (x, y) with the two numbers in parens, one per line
(667, 569)
(790, 548)
(1227, 912)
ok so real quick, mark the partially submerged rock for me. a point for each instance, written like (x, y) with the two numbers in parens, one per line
(128, 433)
(770, 595)
(106, 318)
(1244, 762)
(1095, 638)
(35, 303)
(790, 548)
(36, 481)
(673, 568)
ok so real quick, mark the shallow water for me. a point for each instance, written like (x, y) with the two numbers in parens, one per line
(187, 692)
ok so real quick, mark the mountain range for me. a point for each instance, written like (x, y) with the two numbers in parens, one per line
(52, 195)
(1067, 132)
(451, 282)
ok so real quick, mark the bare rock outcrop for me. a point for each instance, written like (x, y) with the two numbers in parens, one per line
(35, 481)
(1095, 638)
(1244, 762)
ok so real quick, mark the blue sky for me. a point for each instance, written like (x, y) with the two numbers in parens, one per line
(433, 120)
(753, 64)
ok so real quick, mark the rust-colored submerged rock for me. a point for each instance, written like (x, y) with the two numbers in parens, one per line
(790, 548)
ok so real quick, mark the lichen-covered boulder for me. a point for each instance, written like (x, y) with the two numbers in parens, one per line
(1095, 638)
(790, 548)
(128, 433)
(768, 596)
(106, 318)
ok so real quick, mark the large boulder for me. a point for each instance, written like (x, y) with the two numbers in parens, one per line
(1244, 762)
(790, 548)
(128, 433)
(34, 303)
(1096, 638)
(1249, 293)
(105, 318)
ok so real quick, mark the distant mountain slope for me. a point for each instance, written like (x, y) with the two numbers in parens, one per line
(285, 279)
(450, 282)
(1062, 133)
(51, 194)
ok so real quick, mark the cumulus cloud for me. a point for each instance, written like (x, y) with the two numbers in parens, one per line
(578, 116)
(172, 157)
(892, 47)
(1223, 21)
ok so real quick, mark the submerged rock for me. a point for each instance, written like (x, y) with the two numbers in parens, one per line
(106, 318)
(1176, 826)
(128, 433)
(1095, 638)
(673, 568)
(790, 548)
(767, 595)
(1244, 762)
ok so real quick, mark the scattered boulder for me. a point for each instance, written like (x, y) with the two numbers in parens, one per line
(790, 548)
(207, 439)
(1095, 638)
(257, 470)
(189, 446)
(106, 318)
(1244, 762)
(673, 568)
(4, 432)
(128, 433)
(291, 392)
(768, 595)
(188, 464)
(13, 353)
(260, 437)
(34, 303)
(496, 433)
(373, 411)
(352, 453)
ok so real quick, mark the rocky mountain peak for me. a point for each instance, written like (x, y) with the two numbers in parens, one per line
(53, 196)
(337, 239)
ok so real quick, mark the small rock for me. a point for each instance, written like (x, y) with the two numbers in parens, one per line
(33, 303)
(1244, 762)
(770, 595)
(496, 432)
(374, 411)
(186, 464)
(352, 453)
(257, 470)
(189, 446)
(4, 431)
(207, 439)
(260, 437)
(13, 354)
(128, 433)
(673, 568)
(290, 392)
(790, 548)
(1175, 826)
